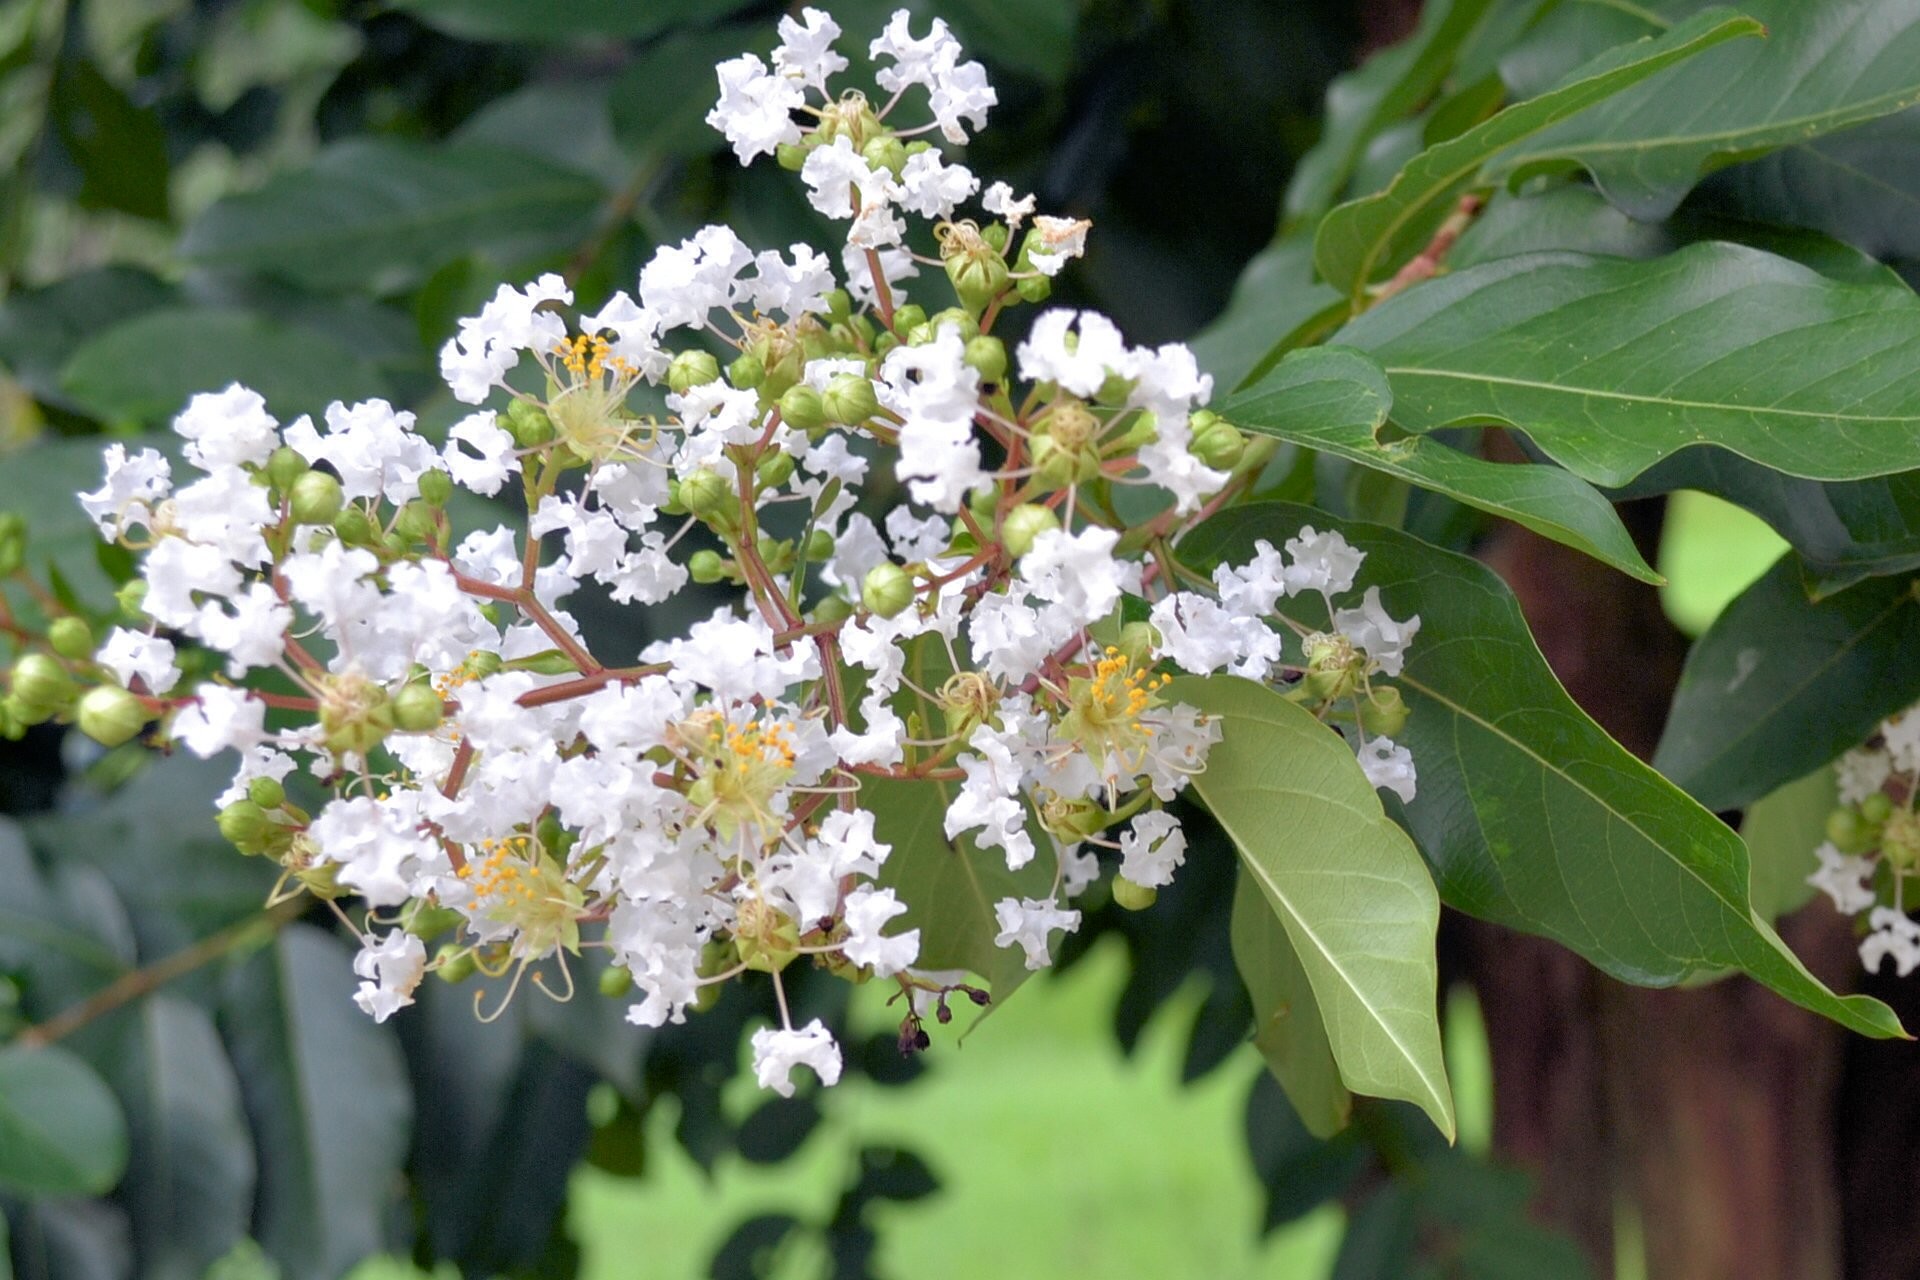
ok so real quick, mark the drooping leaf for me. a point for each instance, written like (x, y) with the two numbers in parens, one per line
(577, 20)
(1780, 685)
(189, 1188)
(61, 1130)
(1276, 304)
(1822, 67)
(381, 214)
(119, 148)
(1610, 366)
(1287, 1024)
(1359, 241)
(145, 370)
(1781, 830)
(327, 1098)
(1529, 814)
(1336, 400)
(1346, 885)
(1392, 84)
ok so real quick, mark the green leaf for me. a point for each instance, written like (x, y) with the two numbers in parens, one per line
(41, 328)
(1781, 830)
(146, 369)
(381, 214)
(189, 1188)
(61, 1132)
(1610, 366)
(1822, 67)
(119, 149)
(660, 102)
(1780, 685)
(1288, 1027)
(512, 20)
(1033, 36)
(1392, 84)
(326, 1092)
(1346, 884)
(567, 123)
(950, 886)
(1335, 400)
(1362, 239)
(1530, 815)
(1276, 305)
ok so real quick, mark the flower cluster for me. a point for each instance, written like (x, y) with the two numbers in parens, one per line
(705, 807)
(1873, 842)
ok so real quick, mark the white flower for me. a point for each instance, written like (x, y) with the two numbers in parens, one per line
(132, 653)
(1027, 922)
(1894, 934)
(220, 718)
(1376, 634)
(1389, 767)
(755, 110)
(1323, 562)
(792, 290)
(131, 489)
(999, 199)
(841, 184)
(371, 446)
(1078, 573)
(1860, 773)
(1903, 741)
(1055, 242)
(867, 912)
(931, 188)
(682, 283)
(1151, 848)
(1079, 360)
(1847, 880)
(390, 967)
(230, 428)
(956, 90)
(492, 460)
(253, 635)
(777, 1052)
(225, 509)
(806, 52)
(478, 358)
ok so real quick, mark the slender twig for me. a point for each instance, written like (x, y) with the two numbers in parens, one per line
(1427, 263)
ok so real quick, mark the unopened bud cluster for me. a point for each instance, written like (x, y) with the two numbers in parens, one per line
(1872, 847)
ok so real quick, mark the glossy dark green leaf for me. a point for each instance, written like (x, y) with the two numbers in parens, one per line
(1530, 815)
(380, 214)
(41, 328)
(577, 20)
(1382, 1239)
(327, 1097)
(61, 1130)
(145, 370)
(1287, 1024)
(1392, 84)
(1336, 400)
(660, 102)
(1361, 240)
(1780, 685)
(119, 149)
(1822, 67)
(1031, 36)
(567, 123)
(1347, 887)
(189, 1188)
(1299, 1171)
(1610, 366)
(1276, 304)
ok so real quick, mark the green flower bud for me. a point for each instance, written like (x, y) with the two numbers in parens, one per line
(485, 663)
(1033, 288)
(267, 793)
(1056, 467)
(768, 940)
(38, 680)
(1136, 643)
(1384, 712)
(1073, 820)
(747, 372)
(1877, 808)
(803, 408)
(130, 597)
(1849, 833)
(436, 488)
(909, 317)
(245, 825)
(1900, 839)
(706, 566)
(978, 276)
(819, 546)
(12, 727)
(529, 424)
(1333, 666)
(791, 156)
(315, 498)
(1025, 523)
(71, 638)
(431, 922)
(988, 355)
(885, 152)
(833, 609)
(355, 714)
(839, 305)
(354, 528)
(1133, 897)
(984, 501)
(284, 467)
(887, 590)
(705, 493)
(615, 982)
(548, 662)
(995, 234)
(13, 543)
(1219, 445)
(691, 369)
(885, 342)
(776, 468)
(416, 521)
(849, 399)
(418, 709)
(454, 963)
(26, 715)
(321, 880)
(110, 715)
(775, 553)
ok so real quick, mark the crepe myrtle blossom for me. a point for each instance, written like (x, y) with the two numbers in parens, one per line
(1872, 847)
(427, 740)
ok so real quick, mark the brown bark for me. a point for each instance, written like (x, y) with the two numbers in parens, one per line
(1709, 1110)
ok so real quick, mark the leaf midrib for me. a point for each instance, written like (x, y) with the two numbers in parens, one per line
(1562, 388)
